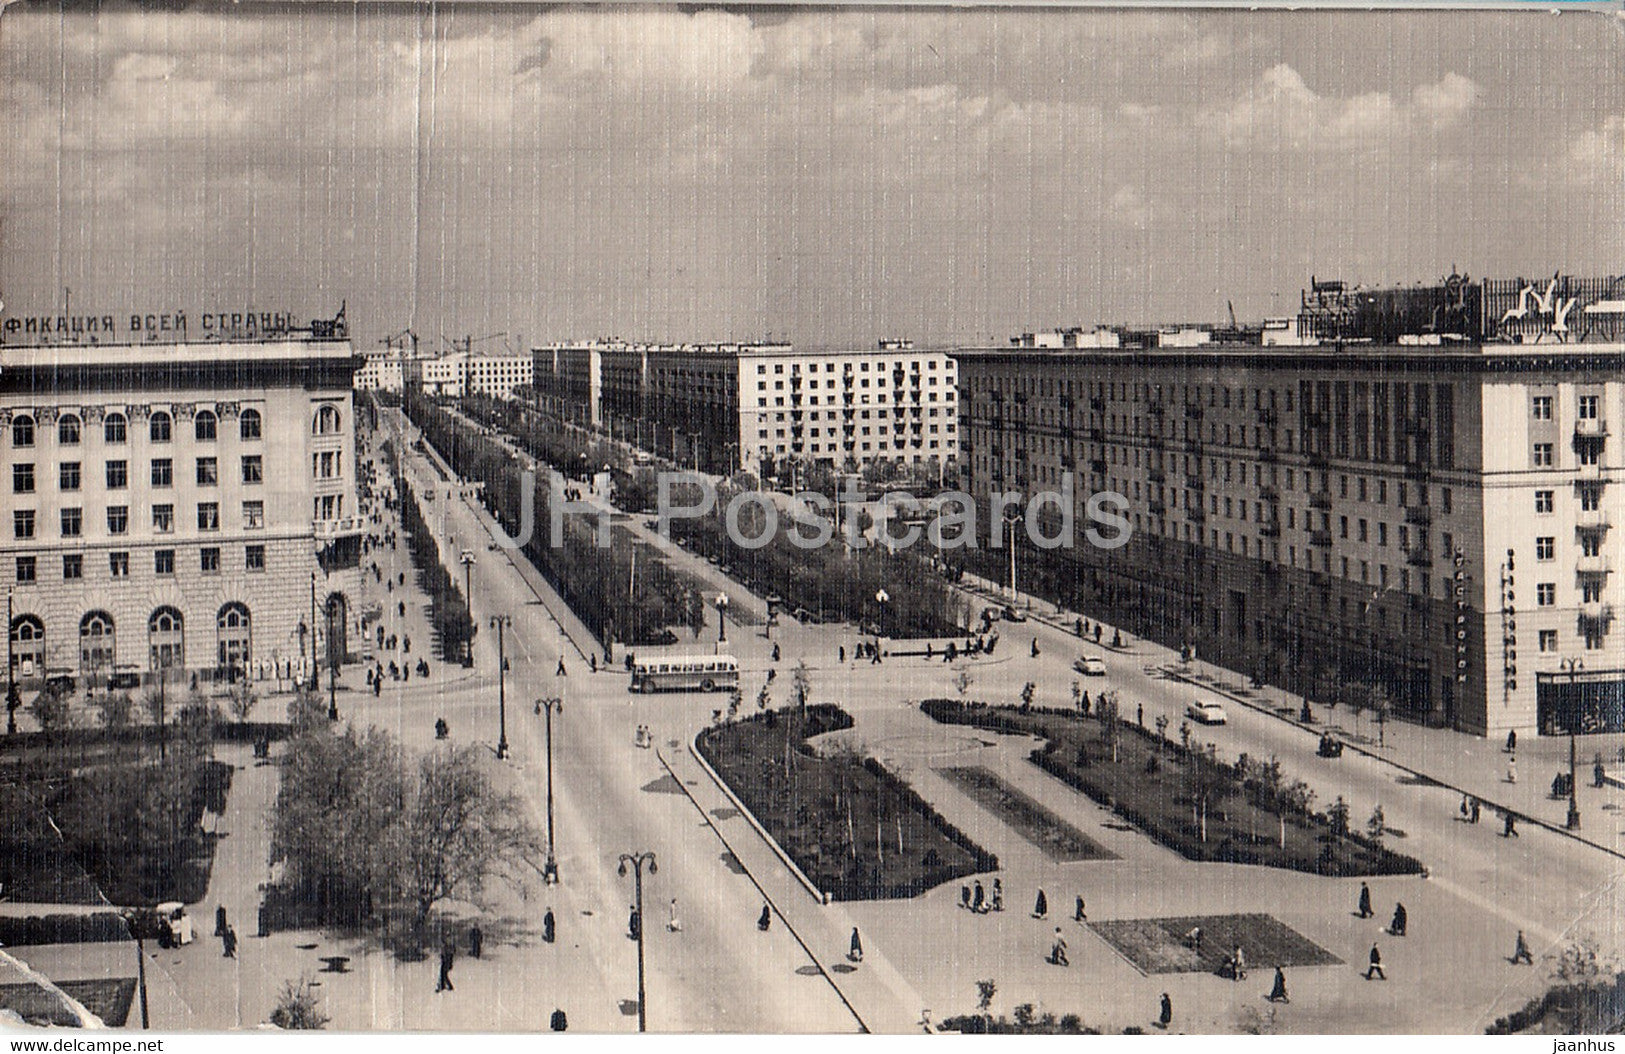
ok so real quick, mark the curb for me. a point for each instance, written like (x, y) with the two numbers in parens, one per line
(819, 895)
(1358, 749)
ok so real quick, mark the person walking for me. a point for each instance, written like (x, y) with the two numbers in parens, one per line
(978, 899)
(775, 653)
(1512, 740)
(560, 672)
(448, 955)
(1041, 906)
(1396, 927)
(855, 953)
(765, 919)
(1374, 965)
(1139, 714)
(964, 897)
(1520, 951)
(673, 925)
(1078, 914)
(997, 903)
(1278, 989)
(549, 930)
(558, 1022)
(228, 943)
(1035, 647)
(476, 941)
(1165, 1014)
(1057, 952)
(1477, 807)
(1510, 827)
(1512, 769)
(1466, 807)
(1365, 901)
(841, 653)
(220, 921)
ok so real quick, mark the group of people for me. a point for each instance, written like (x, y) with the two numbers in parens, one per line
(645, 739)
(974, 898)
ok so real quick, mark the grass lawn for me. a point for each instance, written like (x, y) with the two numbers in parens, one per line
(1150, 785)
(1158, 945)
(1059, 840)
(856, 830)
(108, 999)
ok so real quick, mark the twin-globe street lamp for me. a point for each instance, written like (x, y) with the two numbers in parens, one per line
(467, 559)
(637, 860)
(555, 704)
(722, 620)
(1573, 668)
(500, 623)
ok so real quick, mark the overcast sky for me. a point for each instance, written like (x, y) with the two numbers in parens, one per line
(823, 176)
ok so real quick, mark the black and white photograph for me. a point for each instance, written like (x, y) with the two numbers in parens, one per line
(787, 519)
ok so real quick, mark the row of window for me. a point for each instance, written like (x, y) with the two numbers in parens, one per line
(24, 521)
(863, 366)
(1588, 407)
(118, 563)
(115, 428)
(160, 427)
(117, 473)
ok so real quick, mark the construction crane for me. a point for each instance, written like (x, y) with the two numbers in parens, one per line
(466, 345)
(398, 341)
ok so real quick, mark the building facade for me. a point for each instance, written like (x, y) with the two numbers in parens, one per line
(1434, 520)
(178, 506)
(760, 407)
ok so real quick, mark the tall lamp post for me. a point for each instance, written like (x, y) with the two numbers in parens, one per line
(12, 699)
(332, 667)
(722, 620)
(1010, 521)
(882, 598)
(550, 872)
(500, 623)
(1573, 667)
(637, 860)
(468, 598)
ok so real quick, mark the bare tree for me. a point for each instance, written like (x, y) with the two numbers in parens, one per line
(243, 700)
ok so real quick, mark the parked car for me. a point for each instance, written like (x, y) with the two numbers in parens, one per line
(1014, 614)
(1206, 712)
(1092, 665)
(175, 925)
(60, 683)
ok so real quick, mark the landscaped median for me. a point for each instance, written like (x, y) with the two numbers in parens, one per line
(857, 831)
(1184, 796)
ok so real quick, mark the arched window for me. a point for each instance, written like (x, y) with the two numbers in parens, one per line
(327, 421)
(27, 646)
(165, 640)
(205, 426)
(95, 643)
(248, 425)
(115, 429)
(159, 428)
(67, 430)
(22, 430)
(232, 636)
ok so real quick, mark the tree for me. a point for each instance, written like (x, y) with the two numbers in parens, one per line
(115, 709)
(801, 686)
(962, 683)
(243, 700)
(985, 991)
(1377, 825)
(1027, 692)
(298, 1007)
(1338, 816)
(1111, 732)
(460, 832)
(50, 709)
(1208, 781)
(1077, 695)
(1381, 705)
(1162, 731)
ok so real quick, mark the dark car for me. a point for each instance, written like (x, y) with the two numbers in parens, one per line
(127, 679)
(61, 683)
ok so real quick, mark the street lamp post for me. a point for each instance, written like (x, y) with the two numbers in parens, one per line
(1010, 528)
(722, 620)
(500, 623)
(1573, 666)
(332, 669)
(550, 872)
(468, 598)
(315, 666)
(882, 598)
(637, 860)
(12, 700)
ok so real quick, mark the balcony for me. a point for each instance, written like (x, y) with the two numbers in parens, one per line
(1194, 411)
(1196, 483)
(1590, 428)
(1156, 410)
(1592, 566)
(1419, 557)
(1158, 507)
(1314, 419)
(1419, 515)
(1270, 493)
(1271, 529)
(1098, 465)
(1320, 539)
(1157, 441)
(1097, 435)
(1591, 521)
(1320, 499)
(1269, 455)
(327, 530)
(1196, 513)
(1318, 459)
(1267, 416)
(1416, 469)
(1097, 404)
(1157, 475)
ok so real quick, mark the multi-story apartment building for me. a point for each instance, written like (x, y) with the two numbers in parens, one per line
(467, 373)
(178, 506)
(759, 406)
(1430, 515)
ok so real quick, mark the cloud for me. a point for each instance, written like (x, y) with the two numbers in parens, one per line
(1280, 110)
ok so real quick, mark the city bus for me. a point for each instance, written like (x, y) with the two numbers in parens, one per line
(707, 673)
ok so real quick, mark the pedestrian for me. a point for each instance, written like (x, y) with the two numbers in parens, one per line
(1166, 1015)
(765, 919)
(1365, 901)
(874, 655)
(548, 927)
(1512, 769)
(402, 608)
(1057, 952)
(842, 652)
(476, 941)
(978, 899)
(634, 923)
(998, 896)
(1139, 714)
(558, 1022)
(377, 687)
(1477, 807)
(406, 644)
(220, 921)
(856, 951)
(1510, 829)
(1512, 740)
(228, 943)
(1097, 641)
(560, 671)
(1041, 906)
(1035, 647)
(592, 660)
(1520, 952)
(1238, 964)
(1374, 965)
(1083, 702)
(1078, 914)
(672, 923)
(964, 897)
(448, 955)
(1466, 807)
(775, 653)
(1396, 927)
(1278, 990)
